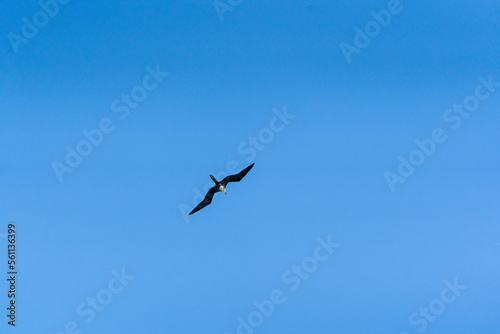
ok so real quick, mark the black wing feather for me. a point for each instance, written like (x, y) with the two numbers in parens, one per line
(207, 200)
(236, 177)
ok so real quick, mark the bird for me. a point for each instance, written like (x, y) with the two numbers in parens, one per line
(220, 186)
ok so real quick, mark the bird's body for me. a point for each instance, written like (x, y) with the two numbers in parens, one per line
(220, 186)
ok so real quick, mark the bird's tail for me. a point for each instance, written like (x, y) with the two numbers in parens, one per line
(214, 179)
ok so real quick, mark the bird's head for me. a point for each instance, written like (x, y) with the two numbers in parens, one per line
(224, 191)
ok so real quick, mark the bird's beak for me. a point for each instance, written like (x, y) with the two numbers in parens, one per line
(225, 192)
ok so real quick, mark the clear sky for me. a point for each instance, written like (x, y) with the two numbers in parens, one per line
(372, 207)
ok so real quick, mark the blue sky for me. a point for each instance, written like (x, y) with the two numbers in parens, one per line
(317, 237)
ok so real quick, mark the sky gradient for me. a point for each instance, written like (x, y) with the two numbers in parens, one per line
(372, 206)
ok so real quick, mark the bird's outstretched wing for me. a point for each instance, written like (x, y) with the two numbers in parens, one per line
(236, 177)
(207, 200)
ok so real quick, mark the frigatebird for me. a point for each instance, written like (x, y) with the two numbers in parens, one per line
(220, 186)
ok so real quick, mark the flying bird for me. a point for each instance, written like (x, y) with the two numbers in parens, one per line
(220, 186)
